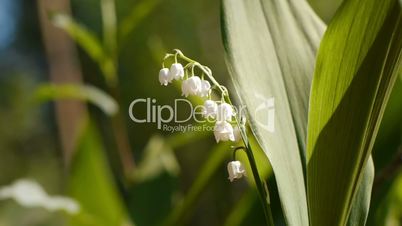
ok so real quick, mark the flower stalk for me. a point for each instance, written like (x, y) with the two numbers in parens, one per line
(223, 113)
(262, 190)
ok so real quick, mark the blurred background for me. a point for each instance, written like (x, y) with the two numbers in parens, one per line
(69, 70)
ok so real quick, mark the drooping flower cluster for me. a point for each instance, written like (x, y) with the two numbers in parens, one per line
(190, 86)
(220, 111)
(175, 72)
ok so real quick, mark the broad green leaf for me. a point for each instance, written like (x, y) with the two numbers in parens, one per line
(361, 203)
(354, 74)
(88, 41)
(91, 184)
(46, 92)
(271, 47)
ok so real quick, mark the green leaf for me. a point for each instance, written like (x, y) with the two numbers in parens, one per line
(355, 71)
(271, 46)
(88, 41)
(361, 203)
(91, 184)
(47, 92)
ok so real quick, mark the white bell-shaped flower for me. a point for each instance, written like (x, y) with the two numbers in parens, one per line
(210, 109)
(223, 131)
(164, 76)
(225, 112)
(176, 71)
(235, 170)
(191, 86)
(205, 88)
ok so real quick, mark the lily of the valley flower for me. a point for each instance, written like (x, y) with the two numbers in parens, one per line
(191, 86)
(225, 112)
(176, 71)
(235, 170)
(223, 131)
(164, 76)
(210, 108)
(204, 89)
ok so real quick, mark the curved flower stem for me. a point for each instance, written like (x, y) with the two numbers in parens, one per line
(204, 69)
(235, 150)
(262, 190)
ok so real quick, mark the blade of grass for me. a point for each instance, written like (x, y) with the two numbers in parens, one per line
(109, 22)
(91, 184)
(47, 92)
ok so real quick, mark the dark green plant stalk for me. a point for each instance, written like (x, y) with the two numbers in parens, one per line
(262, 190)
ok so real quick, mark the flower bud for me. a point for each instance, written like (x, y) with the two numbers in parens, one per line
(210, 108)
(164, 76)
(191, 86)
(204, 89)
(176, 71)
(223, 131)
(225, 112)
(235, 170)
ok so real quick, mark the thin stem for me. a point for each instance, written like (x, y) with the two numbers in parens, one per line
(235, 150)
(192, 70)
(262, 190)
(204, 69)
